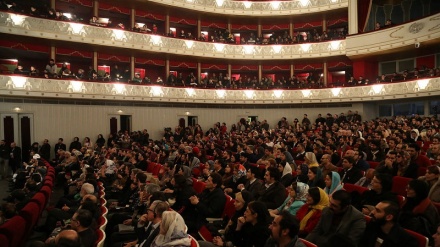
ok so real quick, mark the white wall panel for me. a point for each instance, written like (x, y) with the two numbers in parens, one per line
(68, 121)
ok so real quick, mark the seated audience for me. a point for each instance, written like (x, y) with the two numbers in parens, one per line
(432, 179)
(294, 201)
(284, 231)
(310, 213)
(332, 183)
(273, 193)
(173, 231)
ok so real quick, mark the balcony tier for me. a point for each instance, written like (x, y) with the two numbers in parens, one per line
(38, 87)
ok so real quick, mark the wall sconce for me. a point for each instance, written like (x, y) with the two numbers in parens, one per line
(248, 49)
(220, 93)
(249, 93)
(17, 19)
(306, 93)
(76, 27)
(157, 40)
(189, 43)
(156, 91)
(336, 91)
(76, 86)
(190, 91)
(119, 88)
(277, 93)
(422, 84)
(219, 2)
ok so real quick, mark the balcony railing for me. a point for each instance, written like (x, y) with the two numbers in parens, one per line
(18, 86)
(266, 8)
(16, 24)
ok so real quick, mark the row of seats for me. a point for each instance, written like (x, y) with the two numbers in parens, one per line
(15, 231)
(102, 221)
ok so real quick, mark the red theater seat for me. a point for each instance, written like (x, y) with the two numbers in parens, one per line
(307, 243)
(31, 213)
(15, 230)
(399, 185)
(421, 240)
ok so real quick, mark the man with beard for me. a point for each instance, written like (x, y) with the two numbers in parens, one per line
(339, 218)
(284, 231)
(384, 230)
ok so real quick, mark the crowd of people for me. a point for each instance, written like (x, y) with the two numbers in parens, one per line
(287, 181)
(220, 80)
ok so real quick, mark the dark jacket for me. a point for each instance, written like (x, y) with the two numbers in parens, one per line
(351, 176)
(273, 196)
(254, 188)
(251, 235)
(396, 237)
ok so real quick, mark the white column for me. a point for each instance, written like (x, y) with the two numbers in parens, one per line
(352, 17)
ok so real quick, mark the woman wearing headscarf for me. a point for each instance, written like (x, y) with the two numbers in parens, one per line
(286, 173)
(332, 183)
(294, 201)
(310, 213)
(418, 212)
(238, 177)
(172, 231)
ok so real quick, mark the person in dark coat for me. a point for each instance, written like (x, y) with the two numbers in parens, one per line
(384, 228)
(208, 204)
(15, 157)
(273, 193)
(45, 150)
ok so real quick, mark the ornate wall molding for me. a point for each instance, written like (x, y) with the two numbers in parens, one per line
(401, 36)
(80, 33)
(245, 8)
(37, 87)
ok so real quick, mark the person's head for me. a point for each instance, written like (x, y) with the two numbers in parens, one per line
(172, 223)
(417, 190)
(252, 172)
(68, 238)
(81, 219)
(272, 174)
(432, 173)
(256, 212)
(385, 212)
(310, 158)
(87, 188)
(314, 173)
(381, 182)
(241, 200)
(151, 188)
(340, 201)
(156, 209)
(347, 162)
(413, 149)
(214, 181)
(284, 226)
(314, 196)
(332, 180)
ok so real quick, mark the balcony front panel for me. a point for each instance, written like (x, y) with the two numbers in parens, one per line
(267, 8)
(38, 87)
(75, 32)
(398, 37)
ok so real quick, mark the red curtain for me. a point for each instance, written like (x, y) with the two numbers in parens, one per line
(364, 8)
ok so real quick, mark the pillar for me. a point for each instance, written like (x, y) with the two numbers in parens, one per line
(324, 25)
(260, 72)
(199, 72)
(132, 59)
(325, 73)
(52, 52)
(291, 28)
(95, 8)
(292, 70)
(167, 68)
(52, 4)
(132, 17)
(229, 71)
(259, 30)
(199, 28)
(353, 22)
(95, 60)
(167, 25)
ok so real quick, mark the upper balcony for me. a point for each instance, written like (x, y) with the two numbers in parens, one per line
(260, 9)
(407, 38)
(18, 86)
(15, 24)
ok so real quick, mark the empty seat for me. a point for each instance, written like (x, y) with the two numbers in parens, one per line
(399, 185)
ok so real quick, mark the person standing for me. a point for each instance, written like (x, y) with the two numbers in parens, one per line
(15, 157)
(4, 159)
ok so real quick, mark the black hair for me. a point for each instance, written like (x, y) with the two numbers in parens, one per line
(260, 209)
(288, 221)
(315, 195)
(84, 217)
(216, 179)
(274, 173)
(385, 180)
(343, 197)
(393, 209)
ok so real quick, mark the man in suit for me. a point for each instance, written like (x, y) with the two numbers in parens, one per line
(339, 218)
(273, 192)
(253, 184)
(350, 174)
(15, 157)
(149, 224)
(58, 146)
(384, 230)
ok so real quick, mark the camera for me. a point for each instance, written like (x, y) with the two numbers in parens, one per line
(417, 45)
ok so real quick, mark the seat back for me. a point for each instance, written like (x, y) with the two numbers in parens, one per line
(156, 169)
(229, 209)
(4, 240)
(421, 240)
(31, 214)
(205, 234)
(399, 185)
(102, 222)
(46, 190)
(352, 188)
(194, 242)
(373, 164)
(15, 230)
(100, 238)
(40, 199)
(199, 186)
(307, 243)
